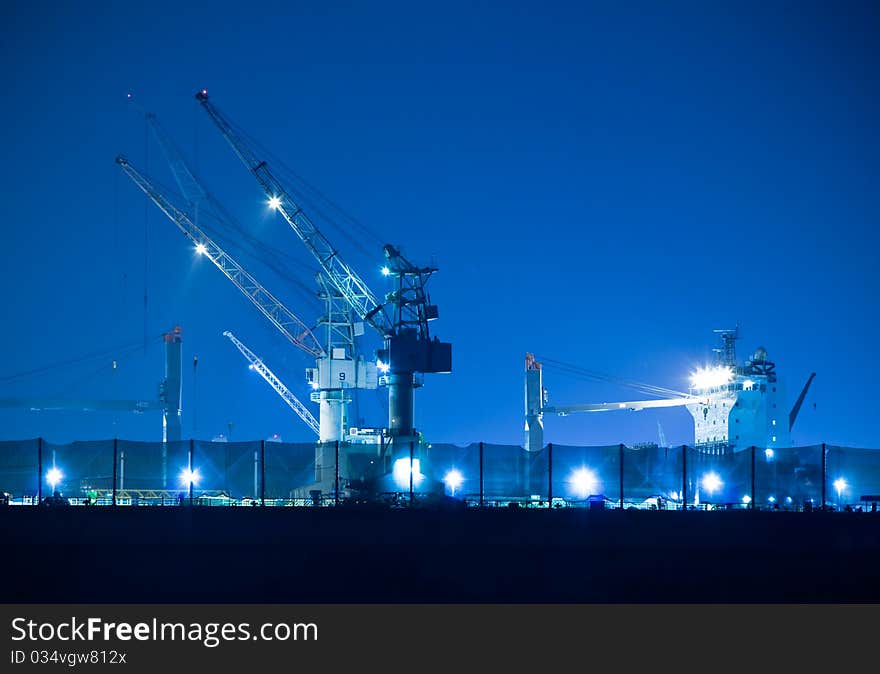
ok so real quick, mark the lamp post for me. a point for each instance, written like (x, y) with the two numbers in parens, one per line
(54, 477)
(840, 485)
(453, 480)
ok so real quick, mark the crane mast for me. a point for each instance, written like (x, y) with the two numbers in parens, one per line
(260, 367)
(408, 348)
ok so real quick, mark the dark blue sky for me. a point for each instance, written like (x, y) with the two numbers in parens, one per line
(600, 184)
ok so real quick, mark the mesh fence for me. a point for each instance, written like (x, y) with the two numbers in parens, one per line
(582, 474)
(231, 469)
(20, 468)
(786, 479)
(80, 468)
(291, 470)
(652, 476)
(457, 468)
(274, 473)
(852, 477)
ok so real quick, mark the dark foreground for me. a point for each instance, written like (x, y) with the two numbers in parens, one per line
(326, 555)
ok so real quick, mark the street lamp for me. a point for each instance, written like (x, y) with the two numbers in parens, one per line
(840, 485)
(54, 477)
(711, 482)
(583, 481)
(190, 477)
(453, 480)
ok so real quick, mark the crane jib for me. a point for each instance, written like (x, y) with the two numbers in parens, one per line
(267, 304)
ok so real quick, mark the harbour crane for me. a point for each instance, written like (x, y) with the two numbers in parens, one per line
(408, 348)
(257, 364)
(338, 367)
(291, 326)
(168, 400)
(536, 402)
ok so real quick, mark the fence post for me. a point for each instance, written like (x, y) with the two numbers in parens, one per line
(824, 473)
(115, 474)
(39, 471)
(336, 477)
(550, 475)
(752, 502)
(481, 474)
(621, 476)
(191, 446)
(262, 472)
(684, 477)
(412, 447)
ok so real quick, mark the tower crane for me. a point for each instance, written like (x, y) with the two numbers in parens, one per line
(257, 364)
(408, 347)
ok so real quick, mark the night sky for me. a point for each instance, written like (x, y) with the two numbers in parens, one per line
(598, 184)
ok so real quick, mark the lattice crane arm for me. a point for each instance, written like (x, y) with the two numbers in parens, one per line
(257, 364)
(189, 186)
(292, 327)
(352, 287)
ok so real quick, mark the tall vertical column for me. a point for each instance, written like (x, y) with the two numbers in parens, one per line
(172, 386)
(40, 471)
(684, 477)
(534, 403)
(115, 467)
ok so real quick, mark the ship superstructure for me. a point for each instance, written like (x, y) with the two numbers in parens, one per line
(741, 406)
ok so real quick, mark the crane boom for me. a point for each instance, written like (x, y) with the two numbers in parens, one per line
(189, 186)
(792, 416)
(356, 292)
(273, 381)
(634, 405)
(293, 328)
(40, 404)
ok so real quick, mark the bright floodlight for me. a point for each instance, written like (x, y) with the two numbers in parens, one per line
(769, 453)
(583, 482)
(53, 477)
(401, 473)
(201, 249)
(385, 271)
(747, 499)
(274, 203)
(382, 367)
(711, 482)
(840, 485)
(772, 499)
(711, 377)
(453, 480)
(190, 476)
